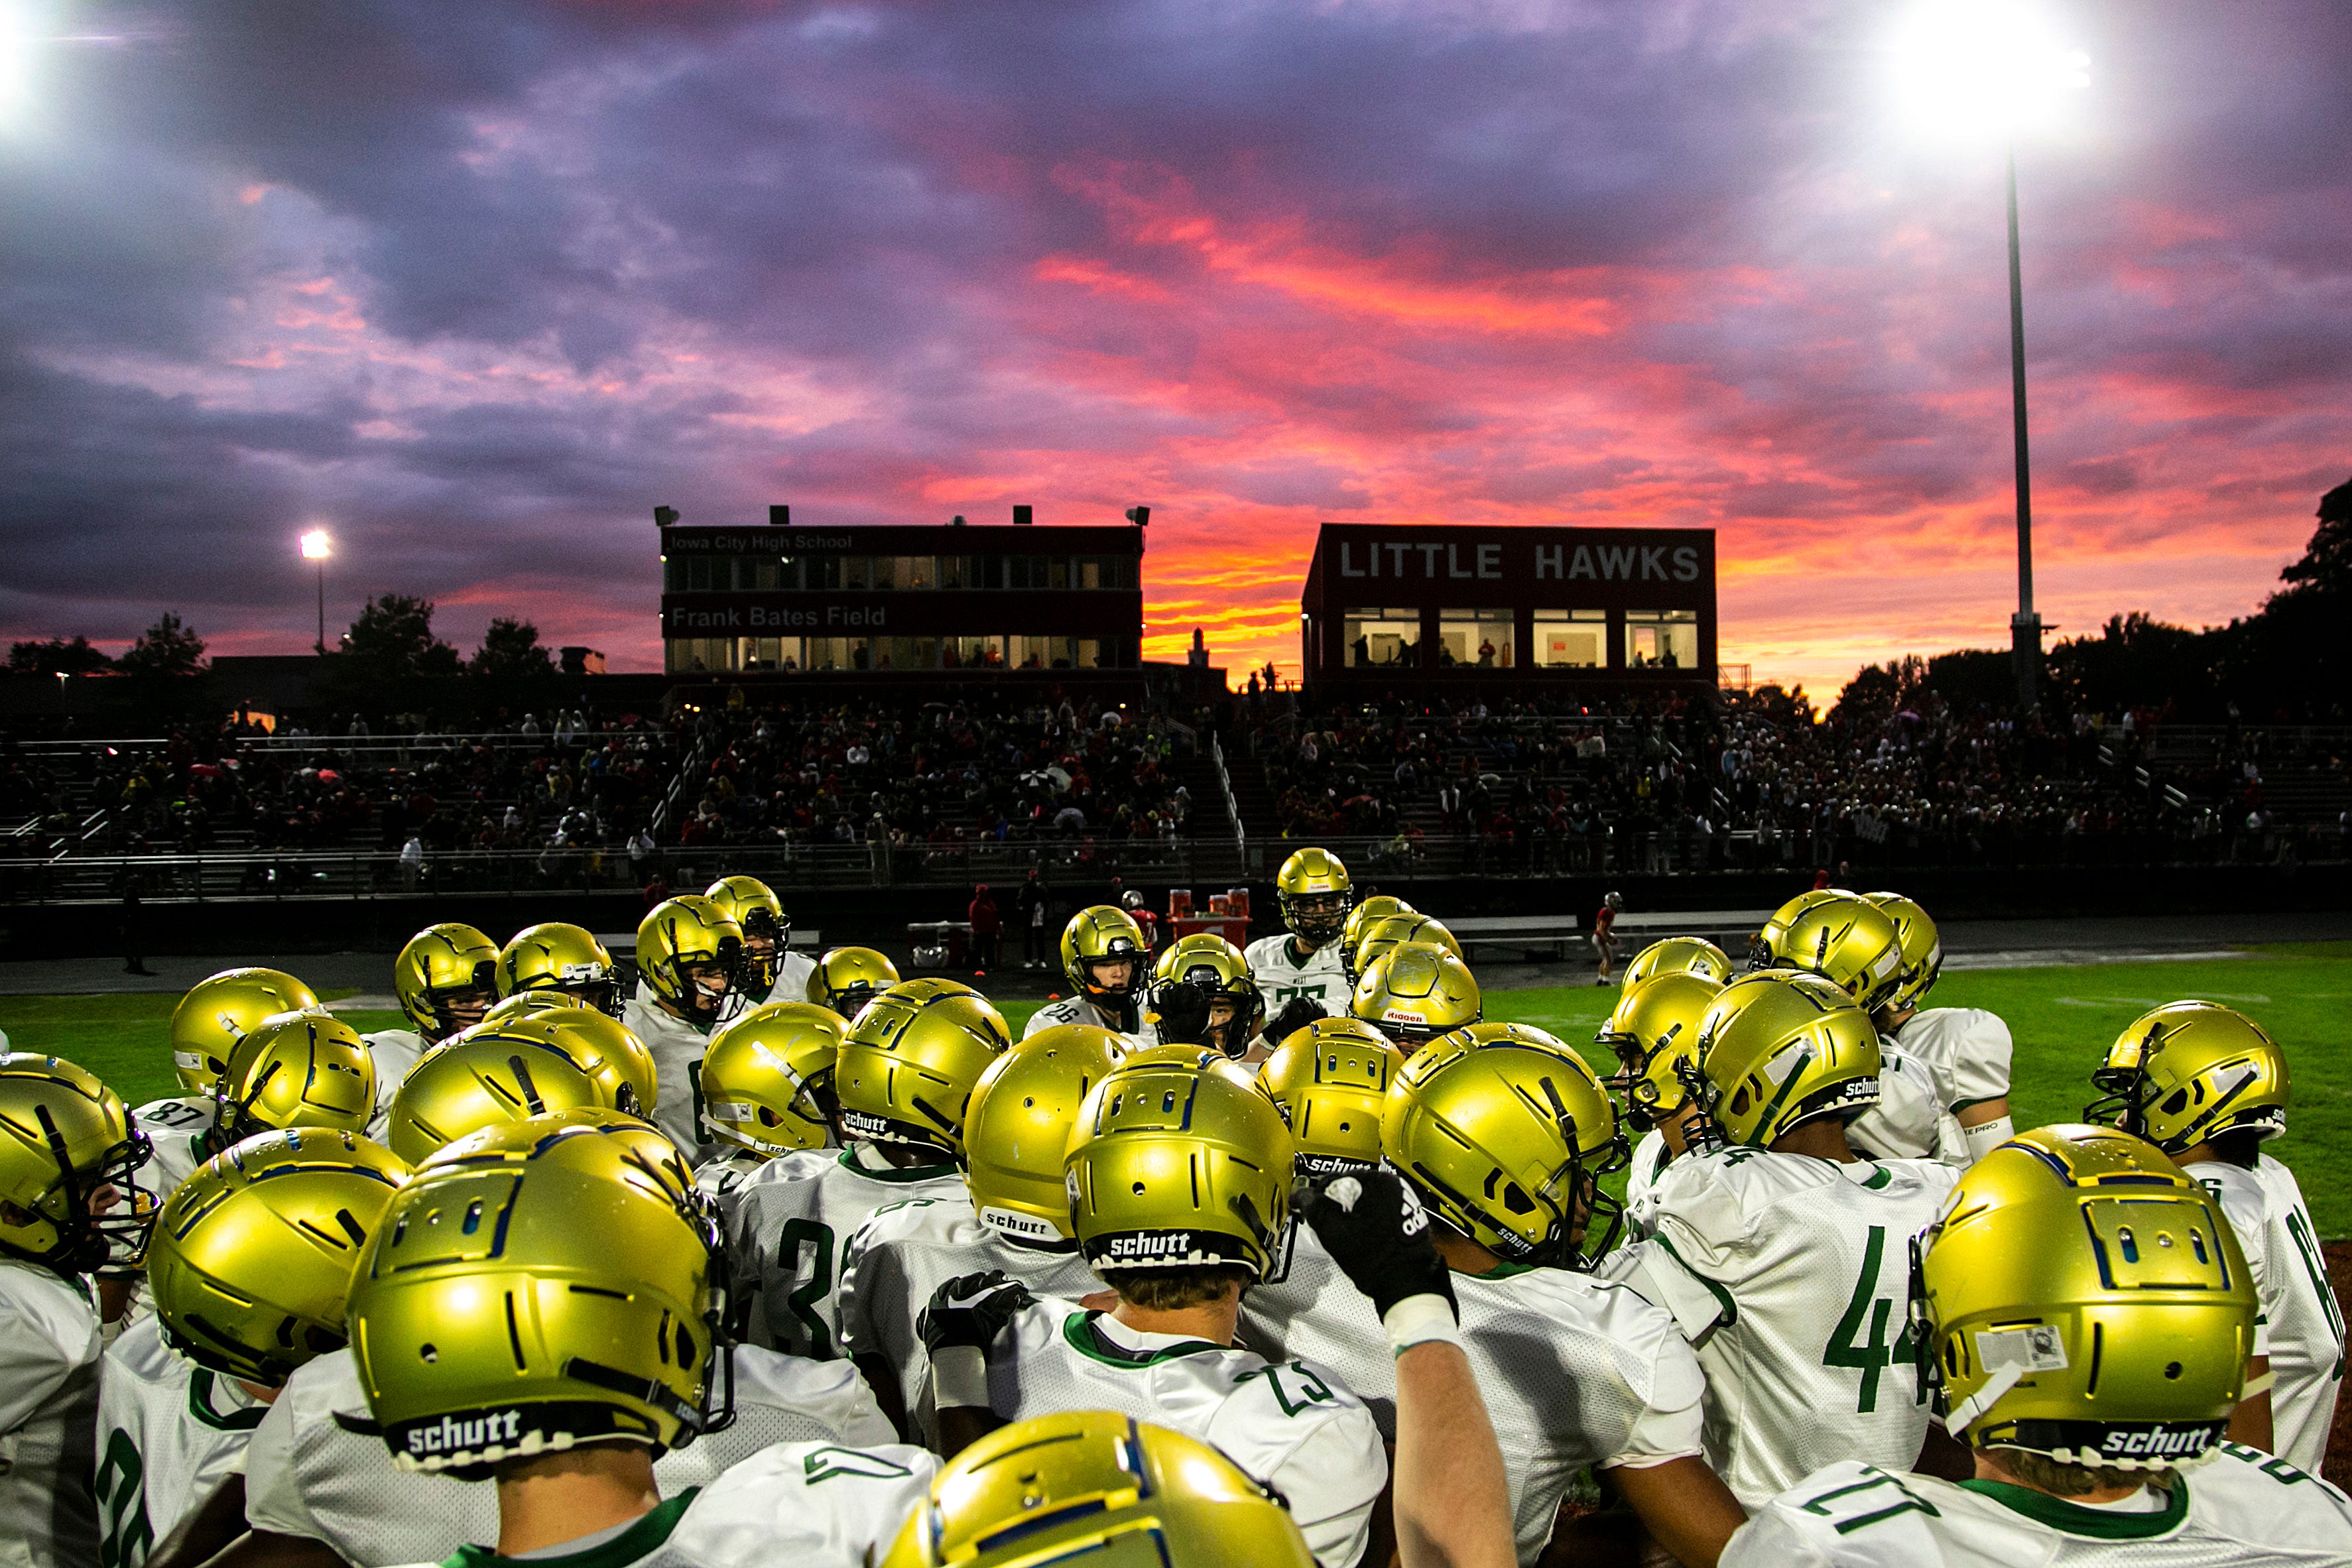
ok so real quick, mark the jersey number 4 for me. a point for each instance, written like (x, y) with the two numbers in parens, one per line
(1874, 1356)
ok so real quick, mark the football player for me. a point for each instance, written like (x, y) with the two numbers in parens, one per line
(69, 1152)
(772, 971)
(1362, 916)
(846, 978)
(1013, 1215)
(1202, 993)
(1782, 1253)
(511, 1071)
(902, 1078)
(2086, 1385)
(2208, 1087)
(1654, 1032)
(1414, 993)
(1180, 1186)
(563, 960)
(691, 962)
(1501, 1133)
(767, 1090)
(1300, 972)
(1107, 964)
(250, 1263)
(1688, 955)
(206, 1025)
(446, 980)
(1330, 1081)
(1966, 1050)
(292, 1069)
(1395, 931)
(609, 1358)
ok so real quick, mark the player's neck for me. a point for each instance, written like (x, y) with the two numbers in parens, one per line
(1823, 1140)
(1302, 948)
(1990, 1468)
(1463, 1255)
(555, 1498)
(1214, 1321)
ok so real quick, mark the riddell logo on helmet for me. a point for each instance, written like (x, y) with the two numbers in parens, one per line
(1171, 1244)
(450, 1436)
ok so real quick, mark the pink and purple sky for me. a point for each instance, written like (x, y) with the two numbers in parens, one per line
(475, 287)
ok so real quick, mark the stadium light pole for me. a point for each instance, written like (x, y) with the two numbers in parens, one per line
(316, 547)
(1974, 67)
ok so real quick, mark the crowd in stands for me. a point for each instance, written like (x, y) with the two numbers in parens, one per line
(908, 775)
(1677, 786)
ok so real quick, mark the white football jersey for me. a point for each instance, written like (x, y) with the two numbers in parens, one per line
(678, 1046)
(812, 1505)
(726, 1167)
(906, 1252)
(395, 1051)
(1651, 1158)
(1967, 1053)
(786, 1224)
(318, 1468)
(2301, 1327)
(792, 972)
(48, 1416)
(1575, 1370)
(179, 1128)
(1293, 1426)
(2245, 1508)
(1909, 1122)
(1791, 1276)
(1077, 1009)
(168, 1430)
(1282, 975)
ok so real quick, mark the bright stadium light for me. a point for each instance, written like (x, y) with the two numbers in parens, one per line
(317, 547)
(16, 46)
(1991, 70)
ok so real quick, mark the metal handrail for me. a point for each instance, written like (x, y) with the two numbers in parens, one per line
(1226, 782)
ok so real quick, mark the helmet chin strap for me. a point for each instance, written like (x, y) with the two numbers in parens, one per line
(1964, 1415)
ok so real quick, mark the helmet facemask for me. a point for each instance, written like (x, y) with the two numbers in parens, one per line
(87, 1240)
(702, 998)
(763, 947)
(1319, 917)
(456, 1009)
(1122, 996)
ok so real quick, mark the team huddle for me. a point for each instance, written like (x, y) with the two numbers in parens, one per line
(1287, 1256)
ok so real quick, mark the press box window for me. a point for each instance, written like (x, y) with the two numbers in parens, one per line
(1662, 639)
(1378, 637)
(1569, 639)
(1479, 639)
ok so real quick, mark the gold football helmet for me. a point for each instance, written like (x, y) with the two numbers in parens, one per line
(252, 1260)
(687, 932)
(1209, 963)
(1018, 1126)
(753, 906)
(1653, 1031)
(908, 1066)
(1922, 948)
(1386, 935)
(563, 958)
(1330, 1081)
(1414, 993)
(65, 1139)
(2188, 1072)
(1692, 955)
(496, 1073)
(1102, 935)
(1314, 892)
(1103, 1489)
(1779, 1047)
(1362, 916)
(846, 978)
(1851, 943)
(297, 1070)
(527, 1005)
(220, 1011)
(767, 1079)
(2081, 1296)
(542, 1284)
(446, 977)
(1766, 947)
(1176, 1167)
(1504, 1133)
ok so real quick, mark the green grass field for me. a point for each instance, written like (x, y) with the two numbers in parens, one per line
(2062, 1019)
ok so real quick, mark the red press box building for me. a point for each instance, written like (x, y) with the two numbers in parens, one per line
(892, 600)
(1391, 605)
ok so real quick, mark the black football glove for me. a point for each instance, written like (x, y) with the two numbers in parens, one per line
(972, 1310)
(1183, 1009)
(1295, 1014)
(1376, 1230)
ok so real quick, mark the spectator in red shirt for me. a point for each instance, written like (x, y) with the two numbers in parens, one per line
(1604, 934)
(984, 923)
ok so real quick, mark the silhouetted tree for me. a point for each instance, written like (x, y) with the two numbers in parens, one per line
(394, 636)
(511, 651)
(57, 656)
(166, 648)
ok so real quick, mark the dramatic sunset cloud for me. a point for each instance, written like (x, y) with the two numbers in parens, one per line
(475, 287)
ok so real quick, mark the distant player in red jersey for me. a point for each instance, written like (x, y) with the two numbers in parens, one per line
(1604, 934)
